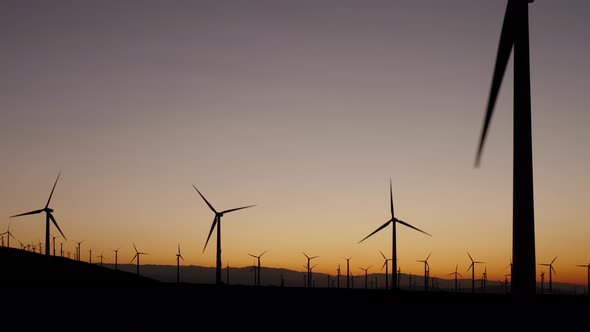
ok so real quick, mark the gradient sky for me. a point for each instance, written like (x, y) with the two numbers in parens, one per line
(305, 108)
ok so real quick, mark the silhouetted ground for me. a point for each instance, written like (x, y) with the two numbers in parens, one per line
(91, 291)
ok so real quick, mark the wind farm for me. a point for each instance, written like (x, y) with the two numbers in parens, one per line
(141, 129)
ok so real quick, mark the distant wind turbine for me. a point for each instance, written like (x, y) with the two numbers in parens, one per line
(8, 235)
(338, 279)
(101, 257)
(53, 243)
(515, 33)
(348, 272)
(551, 271)
(385, 265)
(48, 216)
(393, 221)
(366, 274)
(137, 254)
(217, 223)
(309, 269)
(79, 244)
(426, 271)
(456, 274)
(472, 268)
(178, 258)
(258, 269)
(116, 258)
(587, 266)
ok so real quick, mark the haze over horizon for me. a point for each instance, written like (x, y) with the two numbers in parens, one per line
(306, 109)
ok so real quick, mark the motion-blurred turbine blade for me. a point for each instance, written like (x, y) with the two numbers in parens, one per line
(504, 50)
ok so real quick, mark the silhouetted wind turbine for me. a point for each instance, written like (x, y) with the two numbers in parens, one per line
(385, 265)
(48, 216)
(258, 269)
(137, 254)
(426, 271)
(101, 257)
(393, 221)
(472, 267)
(542, 282)
(338, 279)
(79, 244)
(53, 243)
(178, 258)
(8, 235)
(366, 274)
(217, 222)
(587, 266)
(309, 269)
(116, 258)
(515, 33)
(348, 272)
(456, 274)
(551, 271)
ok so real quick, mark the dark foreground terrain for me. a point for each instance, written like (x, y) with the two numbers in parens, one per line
(62, 287)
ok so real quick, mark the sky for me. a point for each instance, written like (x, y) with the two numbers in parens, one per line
(305, 108)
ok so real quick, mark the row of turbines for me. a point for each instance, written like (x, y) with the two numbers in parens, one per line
(309, 268)
(514, 35)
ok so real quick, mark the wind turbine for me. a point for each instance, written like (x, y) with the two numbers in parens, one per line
(393, 221)
(116, 258)
(456, 274)
(78, 249)
(484, 279)
(515, 33)
(551, 271)
(101, 257)
(8, 235)
(366, 274)
(385, 265)
(137, 254)
(48, 216)
(338, 280)
(542, 282)
(587, 266)
(348, 272)
(217, 222)
(258, 269)
(309, 269)
(178, 258)
(426, 271)
(53, 243)
(472, 268)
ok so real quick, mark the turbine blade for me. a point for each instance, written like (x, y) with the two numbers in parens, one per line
(240, 208)
(314, 257)
(470, 266)
(377, 230)
(52, 189)
(56, 225)
(382, 254)
(27, 213)
(553, 259)
(210, 231)
(206, 201)
(504, 49)
(181, 257)
(263, 253)
(251, 255)
(470, 257)
(383, 266)
(426, 260)
(306, 255)
(391, 200)
(554, 272)
(408, 225)
(460, 274)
